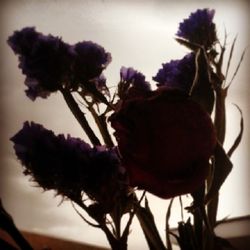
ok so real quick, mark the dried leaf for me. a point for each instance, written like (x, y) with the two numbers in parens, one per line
(222, 168)
(230, 56)
(239, 137)
(237, 68)
(149, 228)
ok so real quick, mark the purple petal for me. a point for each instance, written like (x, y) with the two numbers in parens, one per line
(199, 28)
(177, 74)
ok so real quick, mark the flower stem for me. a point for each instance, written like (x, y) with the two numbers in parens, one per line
(101, 123)
(220, 127)
(79, 115)
(115, 243)
(220, 114)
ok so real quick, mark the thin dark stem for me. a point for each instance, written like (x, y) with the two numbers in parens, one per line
(220, 127)
(220, 114)
(101, 224)
(104, 131)
(116, 244)
(101, 123)
(169, 245)
(79, 115)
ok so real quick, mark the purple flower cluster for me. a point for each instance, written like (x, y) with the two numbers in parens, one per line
(35, 89)
(177, 74)
(100, 83)
(132, 83)
(68, 165)
(89, 61)
(43, 59)
(49, 63)
(199, 28)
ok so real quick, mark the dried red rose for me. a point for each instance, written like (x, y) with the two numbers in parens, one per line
(165, 141)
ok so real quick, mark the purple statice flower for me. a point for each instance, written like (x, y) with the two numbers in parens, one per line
(21, 41)
(90, 59)
(177, 74)
(199, 28)
(106, 178)
(66, 164)
(100, 83)
(35, 89)
(132, 83)
(128, 74)
(45, 60)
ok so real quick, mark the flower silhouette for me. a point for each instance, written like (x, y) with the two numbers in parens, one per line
(177, 74)
(199, 28)
(132, 84)
(165, 141)
(45, 60)
(68, 165)
(89, 61)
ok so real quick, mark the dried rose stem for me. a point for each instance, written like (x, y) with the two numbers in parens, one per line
(220, 127)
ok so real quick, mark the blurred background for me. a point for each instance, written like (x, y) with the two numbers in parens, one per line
(138, 34)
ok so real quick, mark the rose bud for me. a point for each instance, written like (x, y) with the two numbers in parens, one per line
(165, 141)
